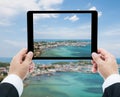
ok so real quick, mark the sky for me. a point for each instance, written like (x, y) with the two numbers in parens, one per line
(62, 26)
(13, 21)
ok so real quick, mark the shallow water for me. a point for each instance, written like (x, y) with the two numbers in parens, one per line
(68, 51)
(67, 84)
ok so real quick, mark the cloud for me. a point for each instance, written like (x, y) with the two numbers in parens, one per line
(11, 8)
(16, 7)
(109, 39)
(79, 32)
(111, 47)
(48, 4)
(72, 18)
(113, 32)
(94, 8)
(62, 35)
(44, 16)
(13, 43)
(5, 23)
(10, 48)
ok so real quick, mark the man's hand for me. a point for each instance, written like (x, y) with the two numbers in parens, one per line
(22, 64)
(104, 63)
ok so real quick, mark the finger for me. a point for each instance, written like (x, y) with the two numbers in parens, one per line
(103, 52)
(21, 54)
(94, 70)
(28, 58)
(93, 62)
(97, 59)
(31, 68)
(94, 67)
(106, 55)
(32, 65)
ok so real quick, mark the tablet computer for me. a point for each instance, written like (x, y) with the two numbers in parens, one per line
(62, 34)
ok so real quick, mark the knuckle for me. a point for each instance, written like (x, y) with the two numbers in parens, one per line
(28, 58)
(14, 58)
(96, 58)
(113, 57)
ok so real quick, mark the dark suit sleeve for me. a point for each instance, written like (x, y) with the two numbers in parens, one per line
(8, 90)
(112, 91)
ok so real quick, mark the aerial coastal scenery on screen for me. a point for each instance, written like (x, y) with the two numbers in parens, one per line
(62, 35)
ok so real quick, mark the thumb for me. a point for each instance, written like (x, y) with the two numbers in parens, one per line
(97, 58)
(28, 57)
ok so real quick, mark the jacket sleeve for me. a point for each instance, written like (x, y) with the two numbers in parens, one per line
(112, 91)
(16, 81)
(8, 90)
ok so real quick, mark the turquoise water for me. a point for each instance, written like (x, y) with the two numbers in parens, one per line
(8, 59)
(69, 84)
(54, 40)
(68, 51)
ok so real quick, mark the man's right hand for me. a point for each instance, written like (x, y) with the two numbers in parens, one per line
(104, 63)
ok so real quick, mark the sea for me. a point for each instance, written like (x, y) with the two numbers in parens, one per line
(66, 51)
(54, 40)
(63, 84)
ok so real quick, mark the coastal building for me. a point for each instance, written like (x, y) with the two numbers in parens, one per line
(3, 71)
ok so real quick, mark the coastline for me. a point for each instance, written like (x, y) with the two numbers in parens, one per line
(50, 69)
(41, 46)
(64, 83)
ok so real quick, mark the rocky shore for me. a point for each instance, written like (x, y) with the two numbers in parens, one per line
(50, 69)
(40, 47)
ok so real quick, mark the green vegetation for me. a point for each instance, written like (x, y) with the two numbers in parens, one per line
(2, 64)
(3, 74)
(84, 62)
(61, 63)
(81, 62)
(1, 78)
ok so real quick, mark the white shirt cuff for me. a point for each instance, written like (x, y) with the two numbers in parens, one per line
(16, 81)
(112, 79)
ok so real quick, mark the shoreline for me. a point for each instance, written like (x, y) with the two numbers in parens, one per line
(50, 69)
(40, 47)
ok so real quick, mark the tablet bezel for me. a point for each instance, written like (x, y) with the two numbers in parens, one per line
(94, 25)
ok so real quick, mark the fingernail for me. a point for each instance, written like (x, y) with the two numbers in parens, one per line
(30, 54)
(94, 54)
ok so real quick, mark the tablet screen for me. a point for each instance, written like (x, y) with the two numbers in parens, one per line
(62, 35)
